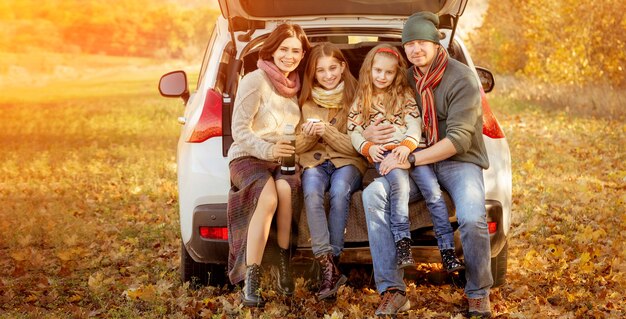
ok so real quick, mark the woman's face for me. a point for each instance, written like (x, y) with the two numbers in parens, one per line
(288, 55)
(328, 71)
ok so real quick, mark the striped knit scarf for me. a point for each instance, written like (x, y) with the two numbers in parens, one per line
(425, 84)
(330, 99)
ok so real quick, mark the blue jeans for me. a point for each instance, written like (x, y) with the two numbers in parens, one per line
(464, 183)
(398, 180)
(424, 177)
(327, 234)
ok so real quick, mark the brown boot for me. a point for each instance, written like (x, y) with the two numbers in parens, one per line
(332, 278)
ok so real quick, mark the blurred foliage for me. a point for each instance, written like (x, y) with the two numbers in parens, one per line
(124, 27)
(555, 41)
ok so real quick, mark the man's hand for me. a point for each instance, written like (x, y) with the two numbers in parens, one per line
(390, 162)
(379, 133)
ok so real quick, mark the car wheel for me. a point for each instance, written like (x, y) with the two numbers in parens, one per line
(200, 274)
(498, 266)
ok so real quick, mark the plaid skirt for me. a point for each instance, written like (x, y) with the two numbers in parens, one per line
(248, 176)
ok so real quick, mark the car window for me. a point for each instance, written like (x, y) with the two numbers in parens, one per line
(207, 53)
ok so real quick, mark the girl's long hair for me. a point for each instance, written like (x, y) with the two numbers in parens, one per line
(394, 94)
(327, 49)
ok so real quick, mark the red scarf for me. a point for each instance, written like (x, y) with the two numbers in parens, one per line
(425, 84)
(286, 86)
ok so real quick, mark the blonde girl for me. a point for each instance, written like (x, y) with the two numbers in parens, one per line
(384, 96)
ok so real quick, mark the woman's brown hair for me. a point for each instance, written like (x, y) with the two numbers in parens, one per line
(282, 32)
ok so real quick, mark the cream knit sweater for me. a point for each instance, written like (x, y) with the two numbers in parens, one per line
(259, 117)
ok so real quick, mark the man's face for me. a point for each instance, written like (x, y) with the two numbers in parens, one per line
(421, 53)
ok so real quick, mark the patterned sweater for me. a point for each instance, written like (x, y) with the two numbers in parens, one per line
(406, 120)
(259, 117)
(334, 146)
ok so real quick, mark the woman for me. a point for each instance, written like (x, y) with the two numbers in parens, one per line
(329, 161)
(266, 102)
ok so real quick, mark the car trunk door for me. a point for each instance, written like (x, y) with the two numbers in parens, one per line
(305, 9)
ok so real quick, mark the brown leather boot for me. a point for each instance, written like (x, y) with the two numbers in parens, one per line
(332, 278)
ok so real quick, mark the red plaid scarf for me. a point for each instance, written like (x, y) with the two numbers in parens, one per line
(424, 84)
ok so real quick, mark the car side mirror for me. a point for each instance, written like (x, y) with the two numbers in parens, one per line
(174, 84)
(486, 79)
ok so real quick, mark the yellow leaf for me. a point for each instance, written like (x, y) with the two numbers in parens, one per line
(19, 255)
(75, 298)
(95, 282)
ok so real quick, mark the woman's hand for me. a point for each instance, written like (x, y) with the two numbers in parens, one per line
(282, 148)
(390, 162)
(376, 153)
(379, 133)
(401, 153)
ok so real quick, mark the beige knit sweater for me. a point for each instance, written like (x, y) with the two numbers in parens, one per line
(259, 117)
(335, 145)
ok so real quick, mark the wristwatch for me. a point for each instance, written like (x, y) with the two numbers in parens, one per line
(411, 159)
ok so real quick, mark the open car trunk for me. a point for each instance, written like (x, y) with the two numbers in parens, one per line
(356, 228)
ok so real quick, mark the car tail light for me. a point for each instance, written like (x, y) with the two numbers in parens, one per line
(493, 226)
(210, 122)
(491, 127)
(214, 232)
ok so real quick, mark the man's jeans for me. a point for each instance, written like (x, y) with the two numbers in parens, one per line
(464, 183)
(424, 177)
(327, 236)
(398, 181)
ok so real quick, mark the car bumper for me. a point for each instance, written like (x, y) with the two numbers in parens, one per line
(215, 251)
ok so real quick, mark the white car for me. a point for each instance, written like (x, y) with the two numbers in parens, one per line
(355, 26)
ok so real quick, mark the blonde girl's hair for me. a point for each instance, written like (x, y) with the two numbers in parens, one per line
(327, 49)
(394, 93)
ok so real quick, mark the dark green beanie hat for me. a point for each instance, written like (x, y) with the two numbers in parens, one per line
(421, 26)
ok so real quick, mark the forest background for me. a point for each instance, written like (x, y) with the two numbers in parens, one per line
(88, 198)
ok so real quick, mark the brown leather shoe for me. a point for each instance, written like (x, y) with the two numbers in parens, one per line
(332, 278)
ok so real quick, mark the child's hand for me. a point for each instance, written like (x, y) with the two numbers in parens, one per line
(376, 153)
(308, 129)
(320, 128)
(401, 153)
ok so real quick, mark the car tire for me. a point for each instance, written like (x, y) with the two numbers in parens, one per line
(200, 274)
(499, 266)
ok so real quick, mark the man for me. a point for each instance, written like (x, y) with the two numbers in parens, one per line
(448, 96)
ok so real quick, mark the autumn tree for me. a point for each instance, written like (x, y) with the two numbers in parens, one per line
(125, 27)
(556, 41)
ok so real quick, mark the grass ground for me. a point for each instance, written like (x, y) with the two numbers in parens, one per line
(89, 224)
